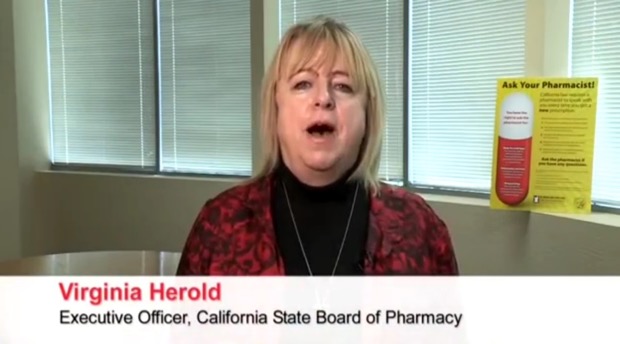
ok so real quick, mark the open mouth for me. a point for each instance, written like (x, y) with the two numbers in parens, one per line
(321, 129)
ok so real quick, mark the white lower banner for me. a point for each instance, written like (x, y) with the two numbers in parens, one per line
(291, 310)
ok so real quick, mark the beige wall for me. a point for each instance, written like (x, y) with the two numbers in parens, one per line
(9, 168)
(44, 212)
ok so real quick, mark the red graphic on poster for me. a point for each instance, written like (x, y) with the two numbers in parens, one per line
(514, 149)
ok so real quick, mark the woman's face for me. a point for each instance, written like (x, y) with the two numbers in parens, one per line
(321, 121)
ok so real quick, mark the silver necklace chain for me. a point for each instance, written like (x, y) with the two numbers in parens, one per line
(344, 237)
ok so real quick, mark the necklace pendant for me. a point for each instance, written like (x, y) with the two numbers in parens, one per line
(322, 299)
(320, 303)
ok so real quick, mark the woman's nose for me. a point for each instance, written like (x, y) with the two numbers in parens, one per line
(324, 99)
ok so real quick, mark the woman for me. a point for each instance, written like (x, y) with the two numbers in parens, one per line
(317, 207)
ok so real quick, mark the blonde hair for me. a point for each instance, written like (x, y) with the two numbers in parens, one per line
(339, 40)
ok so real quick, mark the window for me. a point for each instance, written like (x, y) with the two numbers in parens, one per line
(595, 51)
(165, 85)
(102, 74)
(205, 86)
(155, 85)
(457, 50)
(380, 27)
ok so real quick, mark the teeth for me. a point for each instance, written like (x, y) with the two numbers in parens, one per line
(319, 133)
(320, 130)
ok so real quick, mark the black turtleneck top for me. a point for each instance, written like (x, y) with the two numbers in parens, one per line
(321, 215)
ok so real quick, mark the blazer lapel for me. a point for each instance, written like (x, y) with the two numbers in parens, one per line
(266, 252)
(383, 234)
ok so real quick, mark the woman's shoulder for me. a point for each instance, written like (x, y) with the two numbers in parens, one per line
(402, 198)
(396, 203)
(410, 220)
(241, 196)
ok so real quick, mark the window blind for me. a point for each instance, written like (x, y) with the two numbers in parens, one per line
(458, 49)
(205, 86)
(379, 25)
(101, 70)
(595, 52)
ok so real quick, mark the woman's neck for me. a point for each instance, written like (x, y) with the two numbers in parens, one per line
(338, 189)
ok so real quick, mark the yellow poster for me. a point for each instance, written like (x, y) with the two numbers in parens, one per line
(544, 144)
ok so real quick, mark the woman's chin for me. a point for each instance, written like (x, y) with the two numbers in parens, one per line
(321, 163)
(321, 166)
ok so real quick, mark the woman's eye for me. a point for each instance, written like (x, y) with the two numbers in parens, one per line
(344, 88)
(302, 85)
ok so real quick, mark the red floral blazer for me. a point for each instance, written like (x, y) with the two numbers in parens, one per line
(234, 235)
